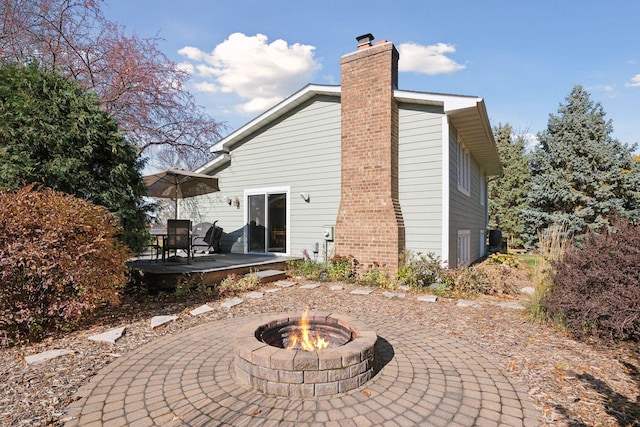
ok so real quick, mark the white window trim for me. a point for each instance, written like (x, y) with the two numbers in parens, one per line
(464, 248)
(464, 169)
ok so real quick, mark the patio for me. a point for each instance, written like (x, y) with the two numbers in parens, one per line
(187, 379)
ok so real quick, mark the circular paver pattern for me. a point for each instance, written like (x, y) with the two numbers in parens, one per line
(187, 379)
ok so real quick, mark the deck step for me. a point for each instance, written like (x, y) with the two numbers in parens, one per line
(267, 276)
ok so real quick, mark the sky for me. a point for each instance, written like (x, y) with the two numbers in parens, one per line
(522, 57)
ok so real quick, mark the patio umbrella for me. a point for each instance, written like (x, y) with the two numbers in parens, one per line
(175, 183)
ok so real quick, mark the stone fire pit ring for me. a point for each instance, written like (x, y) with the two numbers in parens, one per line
(273, 370)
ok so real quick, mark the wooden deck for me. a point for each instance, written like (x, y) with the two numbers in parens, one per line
(204, 267)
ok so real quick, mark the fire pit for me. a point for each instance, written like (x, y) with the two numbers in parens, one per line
(304, 355)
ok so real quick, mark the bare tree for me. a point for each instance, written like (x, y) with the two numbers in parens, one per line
(136, 82)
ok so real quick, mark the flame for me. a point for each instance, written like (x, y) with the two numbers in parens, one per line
(305, 341)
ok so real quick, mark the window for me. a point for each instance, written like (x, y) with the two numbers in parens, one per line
(266, 220)
(464, 247)
(464, 169)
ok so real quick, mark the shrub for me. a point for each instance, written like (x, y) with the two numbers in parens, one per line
(504, 259)
(596, 288)
(472, 281)
(235, 283)
(307, 268)
(375, 276)
(342, 268)
(59, 258)
(419, 270)
(195, 287)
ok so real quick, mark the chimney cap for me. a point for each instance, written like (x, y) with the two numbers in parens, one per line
(365, 39)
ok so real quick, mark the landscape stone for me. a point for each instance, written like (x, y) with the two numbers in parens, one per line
(285, 284)
(255, 295)
(361, 291)
(161, 320)
(111, 336)
(428, 298)
(46, 355)
(466, 303)
(336, 288)
(393, 294)
(273, 290)
(232, 302)
(310, 286)
(528, 290)
(201, 310)
(512, 304)
(404, 288)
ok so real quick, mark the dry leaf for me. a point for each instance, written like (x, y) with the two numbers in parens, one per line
(366, 393)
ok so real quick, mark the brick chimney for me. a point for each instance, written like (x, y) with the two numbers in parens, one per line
(369, 224)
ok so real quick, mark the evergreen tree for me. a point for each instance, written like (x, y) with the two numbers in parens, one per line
(581, 176)
(508, 194)
(54, 133)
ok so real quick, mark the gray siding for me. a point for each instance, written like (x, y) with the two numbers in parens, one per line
(301, 152)
(465, 211)
(420, 177)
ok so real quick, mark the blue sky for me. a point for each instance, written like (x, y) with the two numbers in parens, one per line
(522, 57)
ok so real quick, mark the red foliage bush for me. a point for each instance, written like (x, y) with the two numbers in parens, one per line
(59, 258)
(596, 288)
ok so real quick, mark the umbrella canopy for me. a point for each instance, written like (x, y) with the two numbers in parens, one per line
(175, 183)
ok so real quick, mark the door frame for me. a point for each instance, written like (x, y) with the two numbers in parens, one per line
(266, 191)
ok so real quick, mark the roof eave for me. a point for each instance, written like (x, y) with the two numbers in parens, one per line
(474, 129)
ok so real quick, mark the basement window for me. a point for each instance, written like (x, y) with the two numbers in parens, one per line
(464, 248)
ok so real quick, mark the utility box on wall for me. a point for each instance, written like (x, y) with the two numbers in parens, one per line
(327, 232)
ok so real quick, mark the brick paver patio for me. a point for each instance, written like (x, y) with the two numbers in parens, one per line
(423, 379)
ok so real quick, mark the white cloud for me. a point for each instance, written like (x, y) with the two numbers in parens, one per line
(531, 141)
(260, 72)
(206, 87)
(192, 53)
(427, 59)
(635, 81)
(186, 67)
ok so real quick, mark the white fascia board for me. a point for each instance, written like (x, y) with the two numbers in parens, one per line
(449, 102)
(304, 94)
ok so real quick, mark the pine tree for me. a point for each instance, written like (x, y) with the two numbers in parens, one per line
(508, 194)
(54, 133)
(581, 176)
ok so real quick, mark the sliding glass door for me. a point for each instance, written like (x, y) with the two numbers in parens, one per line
(267, 222)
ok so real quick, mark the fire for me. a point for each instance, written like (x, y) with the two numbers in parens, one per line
(304, 340)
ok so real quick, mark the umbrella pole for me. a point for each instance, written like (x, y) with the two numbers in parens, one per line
(176, 202)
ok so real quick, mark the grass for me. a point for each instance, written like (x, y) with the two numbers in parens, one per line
(552, 244)
(530, 262)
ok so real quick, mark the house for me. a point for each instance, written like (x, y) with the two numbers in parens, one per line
(362, 169)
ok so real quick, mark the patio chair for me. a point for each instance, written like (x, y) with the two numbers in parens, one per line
(178, 237)
(206, 235)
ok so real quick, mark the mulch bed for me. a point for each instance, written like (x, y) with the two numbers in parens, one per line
(572, 383)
